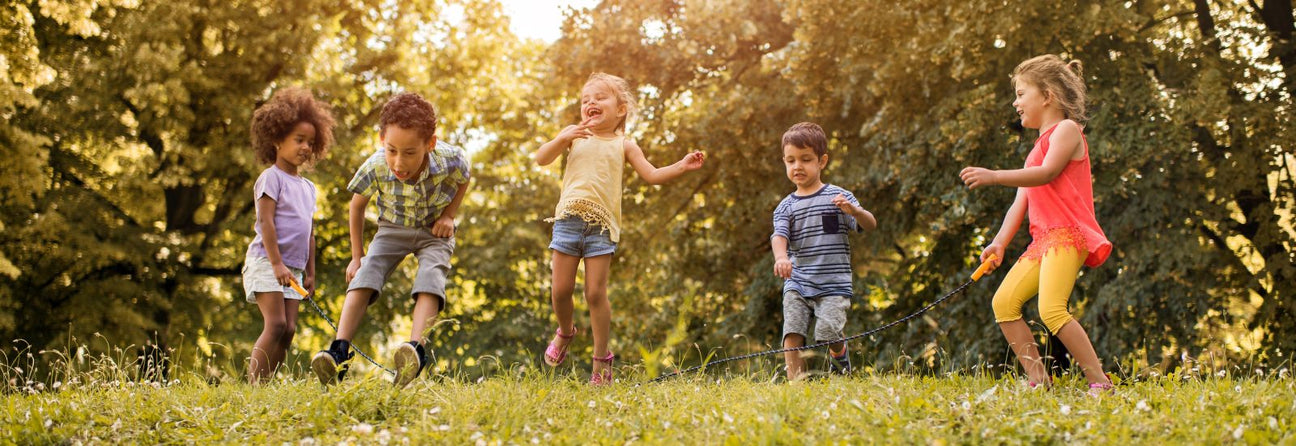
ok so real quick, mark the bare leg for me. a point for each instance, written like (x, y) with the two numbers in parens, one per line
(285, 337)
(426, 308)
(353, 310)
(795, 363)
(272, 313)
(1022, 342)
(563, 285)
(597, 270)
(1076, 340)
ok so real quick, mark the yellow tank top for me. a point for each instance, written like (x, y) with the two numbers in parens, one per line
(592, 183)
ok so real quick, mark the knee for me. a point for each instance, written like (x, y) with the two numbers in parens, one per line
(276, 328)
(596, 295)
(1054, 316)
(287, 333)
(1005, 308)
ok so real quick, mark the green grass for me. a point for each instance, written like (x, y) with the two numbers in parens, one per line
(520, 407)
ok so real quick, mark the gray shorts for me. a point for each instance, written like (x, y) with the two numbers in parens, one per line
(258, 277)
(391, 245)
(829, 313)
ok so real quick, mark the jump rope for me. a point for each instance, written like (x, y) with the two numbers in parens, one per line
(320, 311)
(976, 275)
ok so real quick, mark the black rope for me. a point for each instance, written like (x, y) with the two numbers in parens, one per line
(958, 290)
(353, 347)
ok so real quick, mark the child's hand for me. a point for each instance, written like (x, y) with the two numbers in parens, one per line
(573, 132)
(995, 250)
(693, 161)
(783, 268)
(443, 227)
(308, 282)
(282, 274)
(975, 177)
(352, 269)
(845, 205)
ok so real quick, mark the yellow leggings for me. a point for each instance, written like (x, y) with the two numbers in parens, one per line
(1052, 277)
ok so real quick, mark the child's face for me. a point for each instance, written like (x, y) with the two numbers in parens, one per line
(295, 148)
(600, 106)
(1031, 103)
(803, 166)
(406, 152)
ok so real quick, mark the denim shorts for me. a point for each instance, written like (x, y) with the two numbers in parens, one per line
(576, 237)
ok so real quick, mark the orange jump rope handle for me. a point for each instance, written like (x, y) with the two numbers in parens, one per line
(298, 288)
(985, 266)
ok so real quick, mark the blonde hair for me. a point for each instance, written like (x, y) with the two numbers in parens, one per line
(623, 95)
(1061, 80)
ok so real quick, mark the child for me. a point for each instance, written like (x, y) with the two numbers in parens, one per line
(1055, 189)
(811, 250)
(587, 221)
(419, 183)
(289, 132)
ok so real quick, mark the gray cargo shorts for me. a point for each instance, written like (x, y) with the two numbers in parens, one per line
(391, 245)
(829, 313)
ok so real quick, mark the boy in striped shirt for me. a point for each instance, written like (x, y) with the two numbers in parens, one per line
(811, 251)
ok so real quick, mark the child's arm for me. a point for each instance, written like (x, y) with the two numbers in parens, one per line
(355, 221)
(1012, 221)
(863, 217)
(548, 152)
(270, 238)
(308, 276)
(654, 175)
(444, 226)
(1062, 149)
(782, 266)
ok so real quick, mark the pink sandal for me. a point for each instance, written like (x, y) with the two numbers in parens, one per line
(554, 354)
(1098, 389)
(604, 377)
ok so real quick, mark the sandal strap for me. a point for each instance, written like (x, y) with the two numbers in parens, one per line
(607, 359)
(559, 333)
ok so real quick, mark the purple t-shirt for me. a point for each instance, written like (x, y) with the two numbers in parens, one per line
(294, 198)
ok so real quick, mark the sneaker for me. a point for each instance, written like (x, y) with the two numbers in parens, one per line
(840, 365)
(410, 360)
(331, 365)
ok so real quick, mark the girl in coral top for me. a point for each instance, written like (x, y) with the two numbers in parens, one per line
(1055, 190)
(587, 220)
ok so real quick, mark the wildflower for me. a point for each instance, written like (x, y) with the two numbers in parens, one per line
(362, 428)
(1065, 409)
(1143, 406)
(308, 441)
(1237, 433)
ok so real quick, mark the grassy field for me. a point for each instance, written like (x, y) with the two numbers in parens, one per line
(521, 407)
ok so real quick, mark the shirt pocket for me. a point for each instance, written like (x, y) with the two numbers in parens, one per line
(831, 225)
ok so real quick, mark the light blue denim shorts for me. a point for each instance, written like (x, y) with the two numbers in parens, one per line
(576, 237)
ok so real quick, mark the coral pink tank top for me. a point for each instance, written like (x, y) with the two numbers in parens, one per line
(1062, 212)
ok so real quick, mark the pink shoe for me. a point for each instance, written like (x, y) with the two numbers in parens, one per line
(554, 354)
(1098, 389)
(604, 377)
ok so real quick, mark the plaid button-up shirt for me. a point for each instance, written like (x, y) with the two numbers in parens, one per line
(414, 204)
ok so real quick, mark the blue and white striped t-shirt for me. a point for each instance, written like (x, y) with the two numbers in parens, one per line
(817, 246)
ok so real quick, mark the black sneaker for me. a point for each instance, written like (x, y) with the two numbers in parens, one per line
(331, 365)
(410, 360)
(840, 365)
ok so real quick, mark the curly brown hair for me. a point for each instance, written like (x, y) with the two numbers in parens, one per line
(275, 120)
(1061, 80)
(411, 112)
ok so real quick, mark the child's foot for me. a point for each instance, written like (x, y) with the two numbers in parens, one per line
(331, 365)
(556, 352)
(839, 363)
(410, 360)
(1099, 389)
(602, 375)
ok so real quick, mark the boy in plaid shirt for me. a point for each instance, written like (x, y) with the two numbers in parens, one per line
(419, 184)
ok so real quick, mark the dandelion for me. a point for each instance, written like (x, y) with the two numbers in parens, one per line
(1259, 372)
